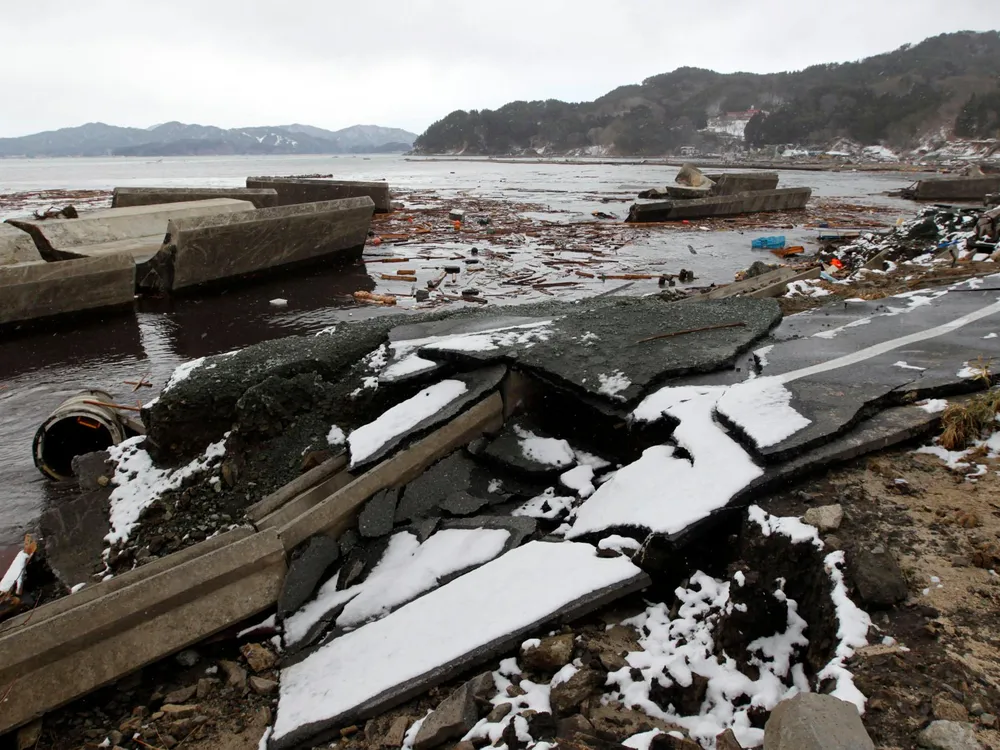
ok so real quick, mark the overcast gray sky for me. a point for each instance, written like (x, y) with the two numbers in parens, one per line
(406, 63)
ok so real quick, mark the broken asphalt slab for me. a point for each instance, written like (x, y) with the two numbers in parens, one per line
(455, 480)
(444, 633)
(905, 348)
(587, 350)
(477, 385)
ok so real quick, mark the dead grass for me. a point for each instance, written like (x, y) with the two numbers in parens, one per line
(968, 421)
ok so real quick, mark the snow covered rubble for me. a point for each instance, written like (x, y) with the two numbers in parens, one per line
(692, 668)
(657, 459)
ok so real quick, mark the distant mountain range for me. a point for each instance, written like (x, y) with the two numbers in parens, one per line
(180, 139)
(944, 87)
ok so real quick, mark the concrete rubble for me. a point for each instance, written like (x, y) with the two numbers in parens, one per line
(492, 478)
(697, 196)
(292, 190)
(176, 239)
(970, 188)
(123, 197)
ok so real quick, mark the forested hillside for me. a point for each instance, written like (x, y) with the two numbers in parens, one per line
(950, 82)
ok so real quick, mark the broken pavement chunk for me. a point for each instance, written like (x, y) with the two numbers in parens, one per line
(526, 450)
(376, 518)
(470, 620)
(306, 571)
(519, 527)
(432, 491)
(429, 408)
(619, 370)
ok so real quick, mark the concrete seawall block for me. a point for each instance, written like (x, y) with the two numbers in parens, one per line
(303, 190)
(31, 291)
(956, 188)
(59, 658)
(138, 230)
(758, 201)
(126, 197)
(200, 250)
(739, 182)
(16, 246)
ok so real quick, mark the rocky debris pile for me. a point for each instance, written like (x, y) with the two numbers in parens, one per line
(709, 665)
(224, 688)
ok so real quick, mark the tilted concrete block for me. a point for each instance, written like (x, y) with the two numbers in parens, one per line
(757, 201)
(124, 197)
(955, 188)
(29, 291)
(58, 658)
(305, 190)
(137, 230)
(200, 250)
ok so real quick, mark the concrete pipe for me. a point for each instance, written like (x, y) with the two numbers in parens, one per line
(74, 428)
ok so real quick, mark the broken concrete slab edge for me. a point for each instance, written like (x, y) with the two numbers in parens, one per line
(583, 606)
(129, 578)
(899, 396)
(146, 602)
(396, 470)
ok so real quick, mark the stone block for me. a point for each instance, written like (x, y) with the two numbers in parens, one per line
(567, 696)
(879, 581)
(456, 715)
(205, 249)
(811, 721)
(103, 638)
(949, 735)
(825, 518)
(551, 655)
(292, 190)
(33, 291)
(125, 197)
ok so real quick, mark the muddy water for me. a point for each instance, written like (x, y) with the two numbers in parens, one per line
(40, 369)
